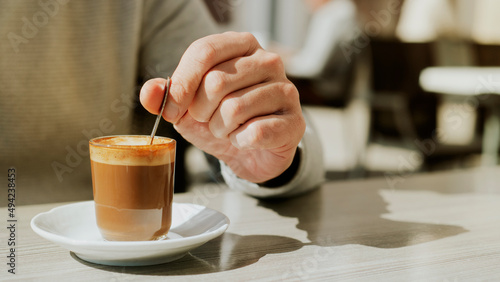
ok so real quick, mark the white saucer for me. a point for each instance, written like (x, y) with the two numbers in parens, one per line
(74, 227)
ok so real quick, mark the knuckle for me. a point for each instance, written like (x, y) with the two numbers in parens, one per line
(289, 91)
(198, 115)
(180, 88)
(274, 59)
(231, 109)
(245, 36)
(214, 83)
(274, 63)
(248, 37)
(257, 134)
(204, 51)
(301, 125)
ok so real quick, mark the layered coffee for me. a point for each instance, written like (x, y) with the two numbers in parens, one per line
(133, 186)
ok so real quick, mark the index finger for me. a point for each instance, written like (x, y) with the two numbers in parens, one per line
(199, 58)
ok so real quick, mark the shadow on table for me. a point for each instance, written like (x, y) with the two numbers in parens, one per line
(334, 216)
(234, 251)
(331, 216)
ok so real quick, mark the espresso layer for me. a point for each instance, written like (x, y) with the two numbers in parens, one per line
(133, 203)
(133, 187)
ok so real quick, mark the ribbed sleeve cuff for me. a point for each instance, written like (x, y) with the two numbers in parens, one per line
(310, 173)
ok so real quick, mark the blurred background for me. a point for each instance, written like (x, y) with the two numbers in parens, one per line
(394, 87)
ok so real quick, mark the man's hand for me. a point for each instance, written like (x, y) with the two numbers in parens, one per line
(231, 99)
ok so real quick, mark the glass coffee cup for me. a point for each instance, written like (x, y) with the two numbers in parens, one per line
(133, 186)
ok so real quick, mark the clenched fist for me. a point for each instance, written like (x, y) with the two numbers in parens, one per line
(231, 99)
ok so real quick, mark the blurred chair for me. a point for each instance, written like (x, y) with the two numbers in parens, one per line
(350, 133)
(477, 86)
(343, 125)
(342, 93)
(331, 84)
(402, 113)
(473, 77)
(458, 31)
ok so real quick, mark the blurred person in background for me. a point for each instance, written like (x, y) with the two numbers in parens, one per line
(323, 67)
(72, 70)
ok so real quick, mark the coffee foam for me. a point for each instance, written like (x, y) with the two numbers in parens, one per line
(132, 140)
(132, 150)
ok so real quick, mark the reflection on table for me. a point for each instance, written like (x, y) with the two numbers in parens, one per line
(438, 227)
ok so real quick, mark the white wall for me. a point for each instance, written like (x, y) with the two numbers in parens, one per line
(292, 17)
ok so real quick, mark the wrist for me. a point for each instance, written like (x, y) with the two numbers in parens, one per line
(286, 176)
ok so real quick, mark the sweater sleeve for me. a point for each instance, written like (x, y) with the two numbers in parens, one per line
(310, 173)
(168, 28)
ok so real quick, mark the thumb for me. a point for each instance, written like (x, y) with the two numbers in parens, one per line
(151, 95)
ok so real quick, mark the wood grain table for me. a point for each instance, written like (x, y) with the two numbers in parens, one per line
(402, 227)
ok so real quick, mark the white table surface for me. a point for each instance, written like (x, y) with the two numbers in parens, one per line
(422, 227)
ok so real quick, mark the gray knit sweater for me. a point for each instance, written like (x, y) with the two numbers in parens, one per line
(70, 70)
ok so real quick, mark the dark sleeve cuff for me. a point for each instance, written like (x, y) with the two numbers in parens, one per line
(287, 175)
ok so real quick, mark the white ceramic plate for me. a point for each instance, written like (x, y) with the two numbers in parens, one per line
(74, 227)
